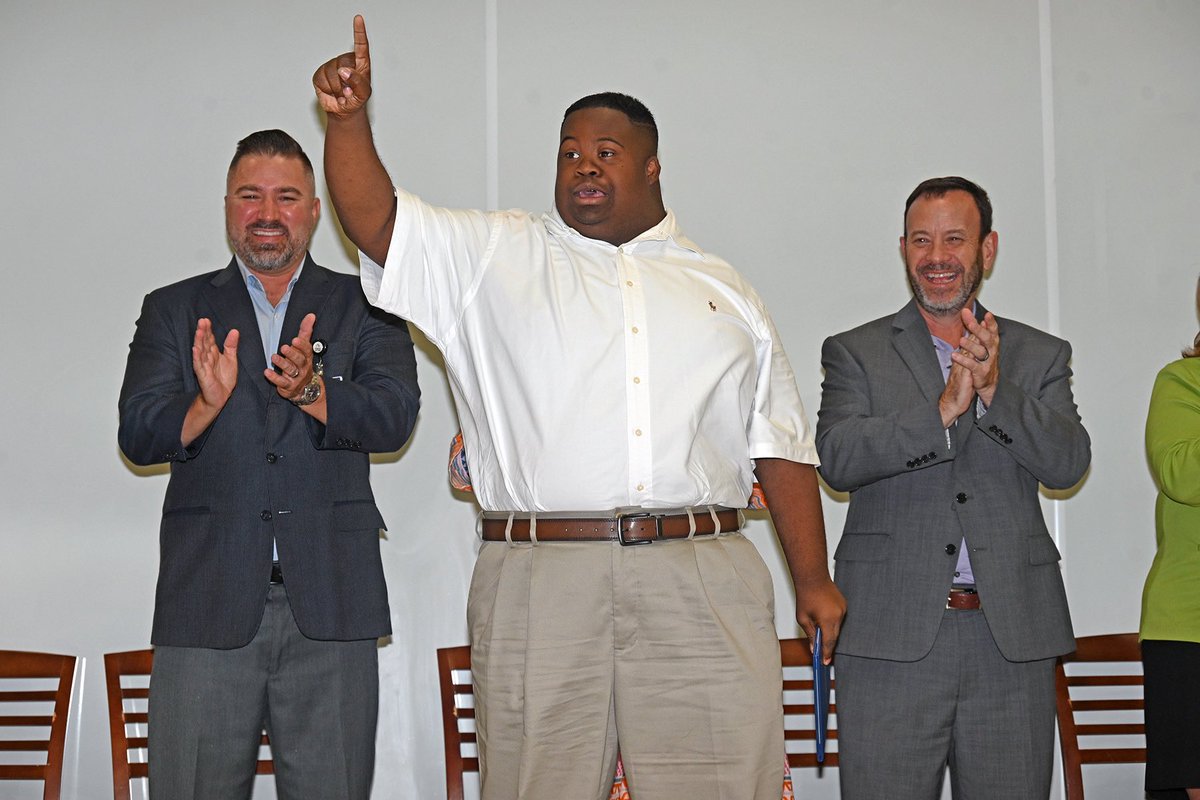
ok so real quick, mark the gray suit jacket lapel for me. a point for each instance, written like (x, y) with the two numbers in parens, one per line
(910, 338)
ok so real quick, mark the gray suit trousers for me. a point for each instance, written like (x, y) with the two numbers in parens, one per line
(318, 701)
(901, 723)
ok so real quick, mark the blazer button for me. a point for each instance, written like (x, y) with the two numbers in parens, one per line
(910, 464)
(272, 458)
(961, 497)
(265, 516)
(932, 455)
(951, 549)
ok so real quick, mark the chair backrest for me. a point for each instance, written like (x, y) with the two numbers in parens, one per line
(798, 708)
(458, 716)
(1100, 704)
(26, 704)
(127, 677)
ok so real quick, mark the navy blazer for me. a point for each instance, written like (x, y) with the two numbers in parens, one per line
(264, 470)
(914, 495)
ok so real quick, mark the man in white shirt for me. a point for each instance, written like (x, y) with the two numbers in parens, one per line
(616, 386)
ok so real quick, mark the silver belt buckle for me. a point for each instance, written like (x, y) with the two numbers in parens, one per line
(635, 515)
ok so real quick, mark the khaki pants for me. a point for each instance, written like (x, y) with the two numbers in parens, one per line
(667, 651)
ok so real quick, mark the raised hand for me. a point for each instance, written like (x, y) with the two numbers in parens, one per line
(216, 372)
(957, 396)
(215, 368)
(343, 84)
(979, 353)
(294, 362)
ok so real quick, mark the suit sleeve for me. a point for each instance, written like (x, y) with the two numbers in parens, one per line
(156, 392)
(1039, 425)
(373, 410)
(1173, 436)
(858, 446)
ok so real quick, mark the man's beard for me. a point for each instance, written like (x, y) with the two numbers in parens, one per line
(972, 277)
(269, 256)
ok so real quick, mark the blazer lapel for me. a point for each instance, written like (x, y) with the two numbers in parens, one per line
(308, 296)
(229, 300)
(910, 338)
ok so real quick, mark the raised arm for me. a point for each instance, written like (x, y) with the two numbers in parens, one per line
(359, 185)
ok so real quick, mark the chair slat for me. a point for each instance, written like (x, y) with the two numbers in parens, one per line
(1084, 715)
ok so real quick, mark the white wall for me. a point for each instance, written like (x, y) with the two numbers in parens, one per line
(791, 134)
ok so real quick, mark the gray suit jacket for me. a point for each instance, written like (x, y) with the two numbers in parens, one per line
(913, 497)
(264, 469)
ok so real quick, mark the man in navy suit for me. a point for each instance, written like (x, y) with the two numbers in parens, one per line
(265, 385)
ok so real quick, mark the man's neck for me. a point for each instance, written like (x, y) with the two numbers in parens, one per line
(948, 327)
(275, 282)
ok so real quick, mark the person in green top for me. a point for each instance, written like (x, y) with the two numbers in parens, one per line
(1170, 629)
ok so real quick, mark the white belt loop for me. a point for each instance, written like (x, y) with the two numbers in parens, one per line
(479, 525)
(533, 528)
(741, 518)
(691, 523)
(712, 512)
(508, 529)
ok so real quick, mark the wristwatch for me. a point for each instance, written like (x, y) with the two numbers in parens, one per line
(310, 394)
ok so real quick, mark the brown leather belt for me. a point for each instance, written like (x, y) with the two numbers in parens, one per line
(962, 600)
(641, 527)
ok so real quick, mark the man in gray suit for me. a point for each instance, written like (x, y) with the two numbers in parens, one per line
(941, 421)
(271, 591)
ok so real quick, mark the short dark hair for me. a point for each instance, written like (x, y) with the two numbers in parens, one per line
(938, 187)
(629, 106)
(270, 143)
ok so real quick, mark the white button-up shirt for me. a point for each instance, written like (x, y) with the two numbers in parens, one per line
(589, 377)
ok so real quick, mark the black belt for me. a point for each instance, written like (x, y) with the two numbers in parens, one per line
(640, 527)
(276, 573)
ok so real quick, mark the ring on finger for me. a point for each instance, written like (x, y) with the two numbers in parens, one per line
(986, 354)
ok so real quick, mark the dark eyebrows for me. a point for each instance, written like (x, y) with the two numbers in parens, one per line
(611, 139)
(252, 187)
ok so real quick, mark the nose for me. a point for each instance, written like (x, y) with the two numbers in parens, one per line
(937, 252)
(587, 166)
(269, 209)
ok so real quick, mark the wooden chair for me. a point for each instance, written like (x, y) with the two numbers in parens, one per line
(798, 707)
(1103, 699)
(458, 712)
(127, 676)
(27, 705)
(458, 717)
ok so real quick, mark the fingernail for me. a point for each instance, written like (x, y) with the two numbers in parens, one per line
(345, 73)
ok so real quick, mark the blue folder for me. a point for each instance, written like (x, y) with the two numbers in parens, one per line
(820, 697)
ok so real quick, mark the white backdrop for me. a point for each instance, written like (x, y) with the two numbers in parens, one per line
(791, 134)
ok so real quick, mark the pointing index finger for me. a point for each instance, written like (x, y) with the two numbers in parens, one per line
(362, 49)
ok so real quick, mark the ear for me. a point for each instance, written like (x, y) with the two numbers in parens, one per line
(653, 169)
(989, 246)
(316, 209)
(904, 250)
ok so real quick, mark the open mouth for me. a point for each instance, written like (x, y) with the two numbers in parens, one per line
(589, 193)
